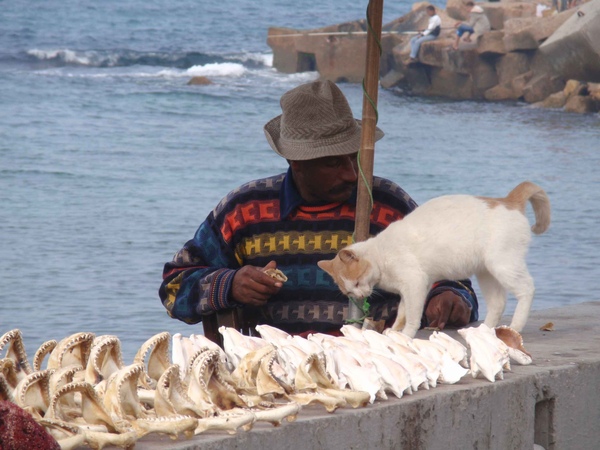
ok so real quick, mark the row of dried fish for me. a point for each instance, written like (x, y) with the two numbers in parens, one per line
(86, 396)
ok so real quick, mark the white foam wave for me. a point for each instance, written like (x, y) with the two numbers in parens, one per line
(217, 70)
(266, 59)
(66, 55)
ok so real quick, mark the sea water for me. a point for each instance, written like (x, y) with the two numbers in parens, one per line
(109, 161)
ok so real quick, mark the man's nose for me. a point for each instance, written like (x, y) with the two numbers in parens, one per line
(349, 169)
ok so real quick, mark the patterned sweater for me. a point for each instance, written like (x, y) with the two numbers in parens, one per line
(267, 220)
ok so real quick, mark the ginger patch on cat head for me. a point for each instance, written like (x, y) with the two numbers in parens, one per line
(347, 271)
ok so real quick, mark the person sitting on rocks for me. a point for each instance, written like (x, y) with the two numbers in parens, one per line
(432, 32)
(477, 23)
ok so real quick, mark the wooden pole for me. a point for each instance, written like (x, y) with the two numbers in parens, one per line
(369, 121)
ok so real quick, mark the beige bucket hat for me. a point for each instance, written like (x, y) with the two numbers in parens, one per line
(316, 121)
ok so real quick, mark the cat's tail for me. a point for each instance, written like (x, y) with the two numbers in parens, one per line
(539, 201)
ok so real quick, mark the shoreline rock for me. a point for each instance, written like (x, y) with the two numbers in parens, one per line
(527, 56)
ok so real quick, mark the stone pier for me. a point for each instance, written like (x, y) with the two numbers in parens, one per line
(555, 403)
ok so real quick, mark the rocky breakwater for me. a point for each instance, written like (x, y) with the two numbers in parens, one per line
(529, 54)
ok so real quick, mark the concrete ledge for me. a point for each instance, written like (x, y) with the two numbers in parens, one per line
(554, 403)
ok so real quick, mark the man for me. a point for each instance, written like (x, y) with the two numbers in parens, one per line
(291, 221)
(477, 23)
(431, 33)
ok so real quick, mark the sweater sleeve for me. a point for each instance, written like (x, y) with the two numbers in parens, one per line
(462, 288)
(198, 279)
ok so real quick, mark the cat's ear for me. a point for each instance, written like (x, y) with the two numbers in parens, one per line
(326, 265)
(347, 255)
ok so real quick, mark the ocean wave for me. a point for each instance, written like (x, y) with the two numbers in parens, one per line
(126, 58)
(217, 70)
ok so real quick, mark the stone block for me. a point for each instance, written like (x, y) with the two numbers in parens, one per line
(543, 28)
(511, 65)
(491, 43)
(457, 9)
(484, 77)
(517, 35)
(594, 90)
(495, 14)
(391, 79)
(573, 49)
(416, 79)
(498, 13)
(541, 86)
(556, 100)
(445, 83)
(518, 83)
(340, 59)
(285, 55)
(539, 63)
(573, 87)
(439, 54)
(501, 92)
(416, 19)
(582, 104)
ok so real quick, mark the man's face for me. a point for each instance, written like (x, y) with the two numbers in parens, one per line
(329, 179)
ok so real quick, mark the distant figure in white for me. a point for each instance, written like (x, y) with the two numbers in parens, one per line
(432, 32)
(451, 237)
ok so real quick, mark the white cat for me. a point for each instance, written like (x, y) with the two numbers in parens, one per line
(449, 238)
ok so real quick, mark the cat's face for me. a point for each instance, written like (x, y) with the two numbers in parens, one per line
(353, 275)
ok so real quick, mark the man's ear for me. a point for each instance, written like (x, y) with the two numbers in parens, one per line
(347, 255)
(326, 265)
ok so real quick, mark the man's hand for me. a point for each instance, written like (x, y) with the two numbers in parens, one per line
(447, 308)
(251, 286)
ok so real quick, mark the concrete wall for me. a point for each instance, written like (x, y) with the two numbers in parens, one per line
(555, 402)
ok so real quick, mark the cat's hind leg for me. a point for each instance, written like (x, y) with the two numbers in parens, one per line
(494, 296)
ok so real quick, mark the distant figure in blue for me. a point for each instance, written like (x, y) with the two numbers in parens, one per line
(477, 23)
(432, 32)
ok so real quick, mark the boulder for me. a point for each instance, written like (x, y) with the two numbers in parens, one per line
(528, 33)
(556, 100)
(517, 35)
(416, 79)
(518, 83)
(541, 86)
(202, 81)
(594, 90)
(457, 9)
(574, 87)
(484, 77)
(500, 12)
(573, 49)
(501, 92)
(511, 65)
(445, 83)
(491, 43)
(543, 28)
(391, 79)
(416, 19)
(582, 104)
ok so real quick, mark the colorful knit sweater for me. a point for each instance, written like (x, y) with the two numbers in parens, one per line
(267, 220)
